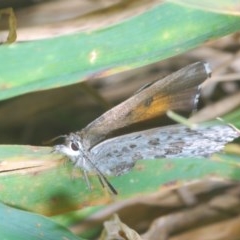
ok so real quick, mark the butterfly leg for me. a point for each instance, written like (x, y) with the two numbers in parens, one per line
(86, 179)
(105, 183)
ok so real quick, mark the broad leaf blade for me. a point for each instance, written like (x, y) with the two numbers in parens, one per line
(21, 225)
(164, 31)
(54, 188)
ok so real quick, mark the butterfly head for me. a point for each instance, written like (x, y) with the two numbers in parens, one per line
(72, 147)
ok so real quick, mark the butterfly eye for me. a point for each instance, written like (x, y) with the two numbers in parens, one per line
(74, 146)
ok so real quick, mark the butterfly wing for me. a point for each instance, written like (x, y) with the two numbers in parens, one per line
(178, 91)
(118, 155)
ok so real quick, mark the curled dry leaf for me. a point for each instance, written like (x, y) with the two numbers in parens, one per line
(115, 229)
(169, 214)
(11, 33)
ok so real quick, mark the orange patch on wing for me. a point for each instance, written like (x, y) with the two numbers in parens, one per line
(150, 108)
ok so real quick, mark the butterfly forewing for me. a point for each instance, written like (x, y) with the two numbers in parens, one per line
(178, 91)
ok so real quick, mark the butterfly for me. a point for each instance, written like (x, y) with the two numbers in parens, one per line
(93, 149)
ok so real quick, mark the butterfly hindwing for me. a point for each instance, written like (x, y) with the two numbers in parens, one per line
(117, 155)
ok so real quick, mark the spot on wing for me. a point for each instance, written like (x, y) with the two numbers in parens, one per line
(148, 102)
(154, 142)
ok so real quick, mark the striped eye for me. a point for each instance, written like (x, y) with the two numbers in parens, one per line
(74, 146)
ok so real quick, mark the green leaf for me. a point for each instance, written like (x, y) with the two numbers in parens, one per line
(50, 187)
(164, 31)
(21, 225)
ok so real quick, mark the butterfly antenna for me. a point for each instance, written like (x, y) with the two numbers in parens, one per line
(53, 139)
